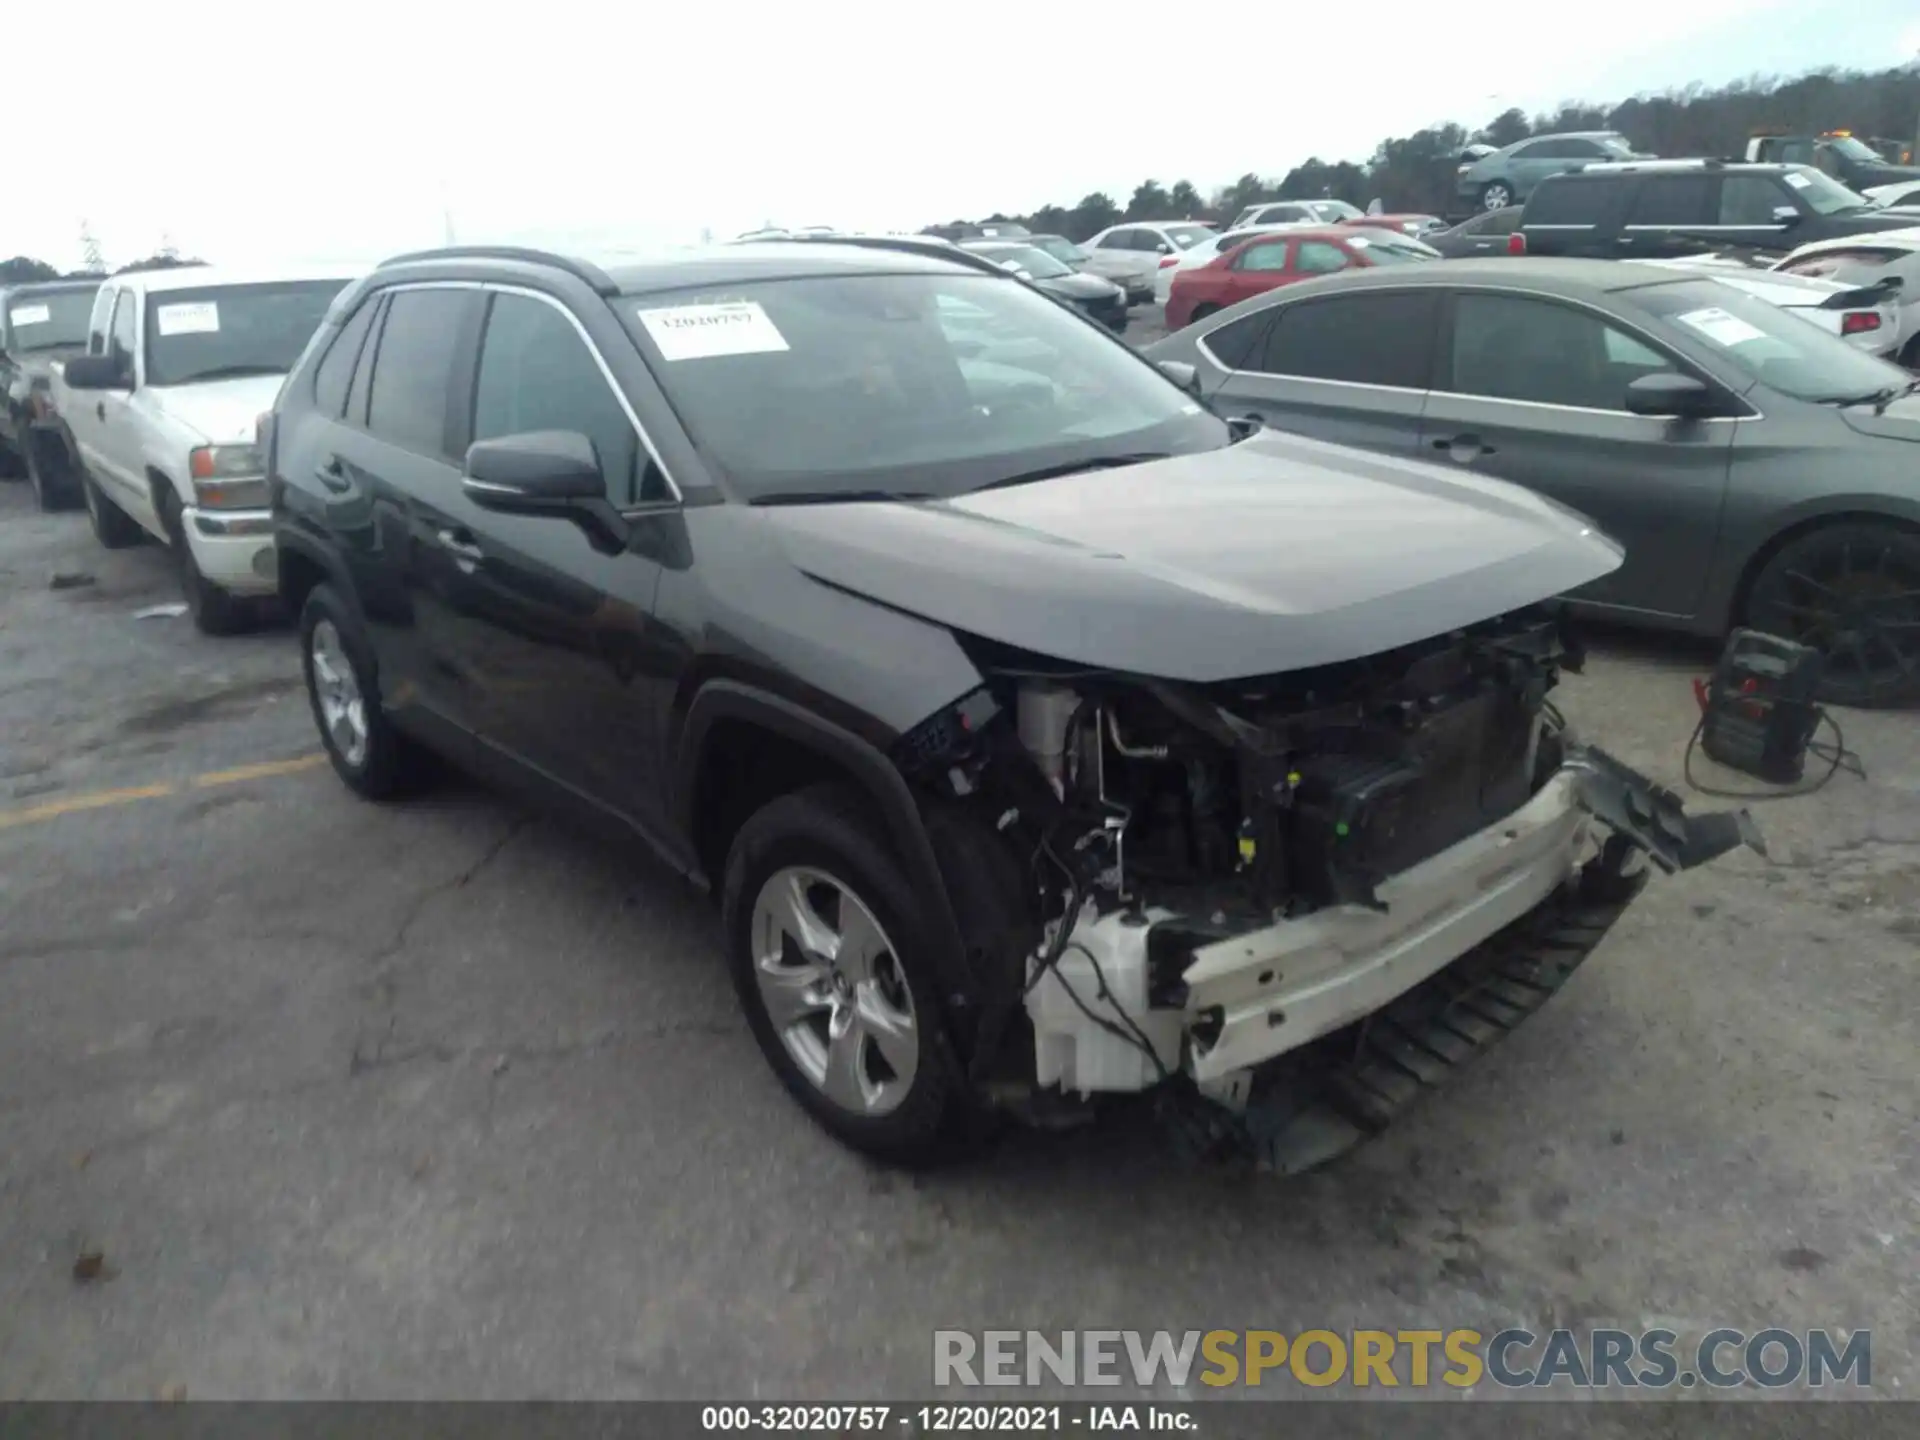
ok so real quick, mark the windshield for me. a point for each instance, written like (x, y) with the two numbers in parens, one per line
(1826, 195)
(1030, 258)
(1061, 248)
(927, 384)
(1854, 150)
(227, 331)
(1772, 346)
(1330, 210)
(50, 318)
(1185, 237)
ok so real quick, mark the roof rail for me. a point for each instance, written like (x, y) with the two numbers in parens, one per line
(907, 244)
(601, 282)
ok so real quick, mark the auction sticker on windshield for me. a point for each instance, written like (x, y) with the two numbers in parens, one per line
(31, 315)
(1721, 328)
(699, 332)
(201, 317)
(1796, 180)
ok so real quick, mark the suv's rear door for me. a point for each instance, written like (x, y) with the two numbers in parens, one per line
(1533, 390)
(1576, 215)
(1669, 213)
(1350, 368)
(388, 470)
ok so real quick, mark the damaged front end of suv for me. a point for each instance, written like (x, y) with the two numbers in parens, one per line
(1300, 899)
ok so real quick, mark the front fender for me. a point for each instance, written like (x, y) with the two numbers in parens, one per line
(876, 775)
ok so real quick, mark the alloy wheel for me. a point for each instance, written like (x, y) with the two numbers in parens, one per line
(336, 688)
(834, 990)
(1860, 604)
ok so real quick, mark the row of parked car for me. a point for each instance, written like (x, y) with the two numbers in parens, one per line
(1046, 725)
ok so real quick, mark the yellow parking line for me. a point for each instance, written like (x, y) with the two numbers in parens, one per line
(99, 800)
(106, 799)
(261, 771)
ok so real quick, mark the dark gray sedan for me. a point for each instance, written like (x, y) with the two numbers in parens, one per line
(1757, 470)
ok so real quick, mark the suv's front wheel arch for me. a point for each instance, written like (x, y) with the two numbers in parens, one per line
(718, 787)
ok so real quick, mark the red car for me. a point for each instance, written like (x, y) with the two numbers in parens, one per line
(1266, 262)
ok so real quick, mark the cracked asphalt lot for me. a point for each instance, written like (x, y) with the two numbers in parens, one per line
(446, 1099)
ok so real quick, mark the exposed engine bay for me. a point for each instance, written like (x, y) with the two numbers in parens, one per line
(1222, 875)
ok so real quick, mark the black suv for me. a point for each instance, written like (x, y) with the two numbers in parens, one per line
(991, 679)
(1660, 208)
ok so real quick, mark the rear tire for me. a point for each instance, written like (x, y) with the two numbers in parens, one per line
(112, 526)
(1851, 590)
(368, 752)
(1201, 312)
(861, 1039)
(1495, 195)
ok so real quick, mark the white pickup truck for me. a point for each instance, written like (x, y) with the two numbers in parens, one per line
(159, 417)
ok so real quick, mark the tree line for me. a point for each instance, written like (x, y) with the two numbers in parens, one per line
(23, 270)
(1415, 173)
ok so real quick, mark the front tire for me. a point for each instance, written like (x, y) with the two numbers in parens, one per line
(52, 485)
(368, 753)
(826, 943)
(1851, 590)
(1201, 312)
(1496, 195)
(214, 611)
(112, 526)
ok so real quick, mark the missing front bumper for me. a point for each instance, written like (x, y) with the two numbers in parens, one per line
(1302, 1115)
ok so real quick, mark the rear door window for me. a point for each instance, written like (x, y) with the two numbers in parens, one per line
(1569, 202)
(1384, 339)
(1670, 201)
(413, 368)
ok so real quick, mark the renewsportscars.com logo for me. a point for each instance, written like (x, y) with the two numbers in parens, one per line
(1514, 1358)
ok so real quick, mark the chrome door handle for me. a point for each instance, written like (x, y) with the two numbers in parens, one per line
(466, 554)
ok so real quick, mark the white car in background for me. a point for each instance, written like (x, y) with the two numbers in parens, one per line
(1869, 323)
(1864, 259)
(1902, 193)
(1208, 249)
(1129, 254)
(1295, 212)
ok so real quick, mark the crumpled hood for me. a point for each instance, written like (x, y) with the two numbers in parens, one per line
(1276, 554)
(1901, 422)
(223, 411)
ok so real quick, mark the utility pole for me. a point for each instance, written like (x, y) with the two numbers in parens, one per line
(168, 250)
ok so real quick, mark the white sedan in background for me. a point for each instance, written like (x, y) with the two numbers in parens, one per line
(1863, 259)
(1871, 324)
(1209, 249)
(1129, 254)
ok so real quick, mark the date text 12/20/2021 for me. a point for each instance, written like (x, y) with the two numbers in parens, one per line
(962, 1419)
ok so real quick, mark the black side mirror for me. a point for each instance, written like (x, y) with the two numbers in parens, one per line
(1182, 374)
(1674, 396)
(97, 372)
(547, 473)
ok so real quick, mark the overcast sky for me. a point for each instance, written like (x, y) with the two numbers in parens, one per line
(246, 135)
